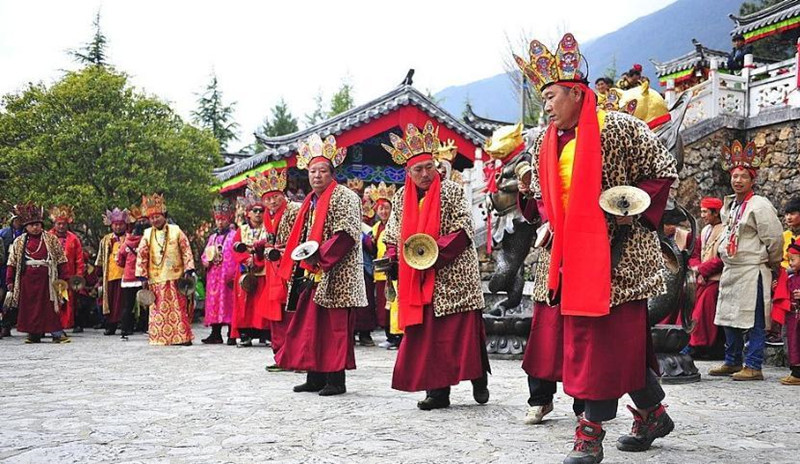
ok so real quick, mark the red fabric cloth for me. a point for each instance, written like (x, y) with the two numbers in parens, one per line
(440, 352)
(36, 314)
(711, 203)
(366, 318)
(278, 331)
(580, 233)
(705, 332)
(792, 325)
(115, 301)
(381, 313)
(607, 357)
(320, 213)
(272, 221)
(450, 247)
(247, 307)
(658, 189)
(415, 288)
(544, 352)
(74, 266)
(276, 287)
(782, 298)
(318, 339)
(126, 257)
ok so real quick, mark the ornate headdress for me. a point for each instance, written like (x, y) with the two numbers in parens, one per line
(248, 201)
(382, 192)
(29, 213)
(134, 214)
(446, 151)
(355, 184)
(273, 180)
(153, 204)
(223, 209)
(62, 213)
(115, 215)
(545, 68)
(315, 147)
(504, 141)
(367, 207)
(415, 143)
(736, 156)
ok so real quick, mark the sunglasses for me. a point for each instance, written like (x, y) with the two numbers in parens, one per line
(257, 210)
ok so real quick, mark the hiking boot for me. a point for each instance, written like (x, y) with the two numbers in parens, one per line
(724, 370)
(588, 445)
(790, 380)
(535, 414)
(748, 374)
(658, 424)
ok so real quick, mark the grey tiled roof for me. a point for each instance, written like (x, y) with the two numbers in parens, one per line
(284, 146)
(483, 124)
(688, 61)
(772, 15)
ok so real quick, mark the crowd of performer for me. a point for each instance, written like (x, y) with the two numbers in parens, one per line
(318, 276)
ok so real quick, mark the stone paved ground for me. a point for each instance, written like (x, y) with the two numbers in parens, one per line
(103, 400)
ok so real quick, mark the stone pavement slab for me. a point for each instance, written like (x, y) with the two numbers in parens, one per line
(100, 400)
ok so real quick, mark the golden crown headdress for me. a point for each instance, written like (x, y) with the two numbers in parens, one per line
(446, 151)
(545, 68)
(134, 213)
(273, 180)
(355, 184)
(153, 204)
(115, 215)
(223, 209)
(367, 207)
(29, 213)
(62, 213)
(382, 192)
(737, 156)
(415, 143)
(504, 141)
(314, 147)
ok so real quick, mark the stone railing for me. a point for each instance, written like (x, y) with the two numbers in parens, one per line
(756, 90)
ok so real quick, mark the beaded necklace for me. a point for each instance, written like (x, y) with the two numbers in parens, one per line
(163, 245)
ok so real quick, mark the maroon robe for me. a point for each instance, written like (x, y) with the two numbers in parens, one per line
(792, 324)
(442, 351)
(705, 332)
(320, 339)
(36, 314)
(115, 301)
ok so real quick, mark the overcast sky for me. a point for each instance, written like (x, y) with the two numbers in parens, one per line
(262, 51)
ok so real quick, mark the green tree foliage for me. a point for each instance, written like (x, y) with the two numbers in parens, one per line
(777, 47)
(318, 115)
(213, 114)
(280, 123)
(342, 100)
(94, 52)
(93, 142)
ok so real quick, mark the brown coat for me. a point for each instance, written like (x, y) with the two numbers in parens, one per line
(631, 154)
(457, 287)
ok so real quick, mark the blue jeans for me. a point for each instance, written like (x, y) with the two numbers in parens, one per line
(756, 338)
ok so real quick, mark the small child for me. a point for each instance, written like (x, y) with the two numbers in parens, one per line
(792, 323)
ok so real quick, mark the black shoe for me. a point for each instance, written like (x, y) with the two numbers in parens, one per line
(231, 342)
(77, 330)
(98, 326)
(244, 342)
(480, 390)
(211, 340)
(658, 424)
(189, 343)
(366, 340)
(123, 337)
(588, 445)
(30, 340)
(110, 332)
(330, 390)
(430, 403)
(308, 387)
(5, 331)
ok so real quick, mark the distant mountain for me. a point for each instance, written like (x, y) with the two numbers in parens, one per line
(662, 35)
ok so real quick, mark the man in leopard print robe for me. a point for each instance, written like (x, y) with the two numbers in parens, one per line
(440, 307)
(590, 318)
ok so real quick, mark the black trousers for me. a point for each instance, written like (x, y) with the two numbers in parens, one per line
(651, 395)
(541, 393)
(128, 303)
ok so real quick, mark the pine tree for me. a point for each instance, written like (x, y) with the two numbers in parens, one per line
(214, 115)
(318, 115)
(94, 52)
(342, 100)
(281, 123)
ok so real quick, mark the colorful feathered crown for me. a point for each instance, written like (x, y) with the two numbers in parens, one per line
(382, 192)
(446, 151)
(273, 180)
(29, 213)
(62, 213)
(415, 143)
(223, 209)
(315, 147)
(153, 204)
(355, 184)
(115, 215)
(545, 68)
(736, 156)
